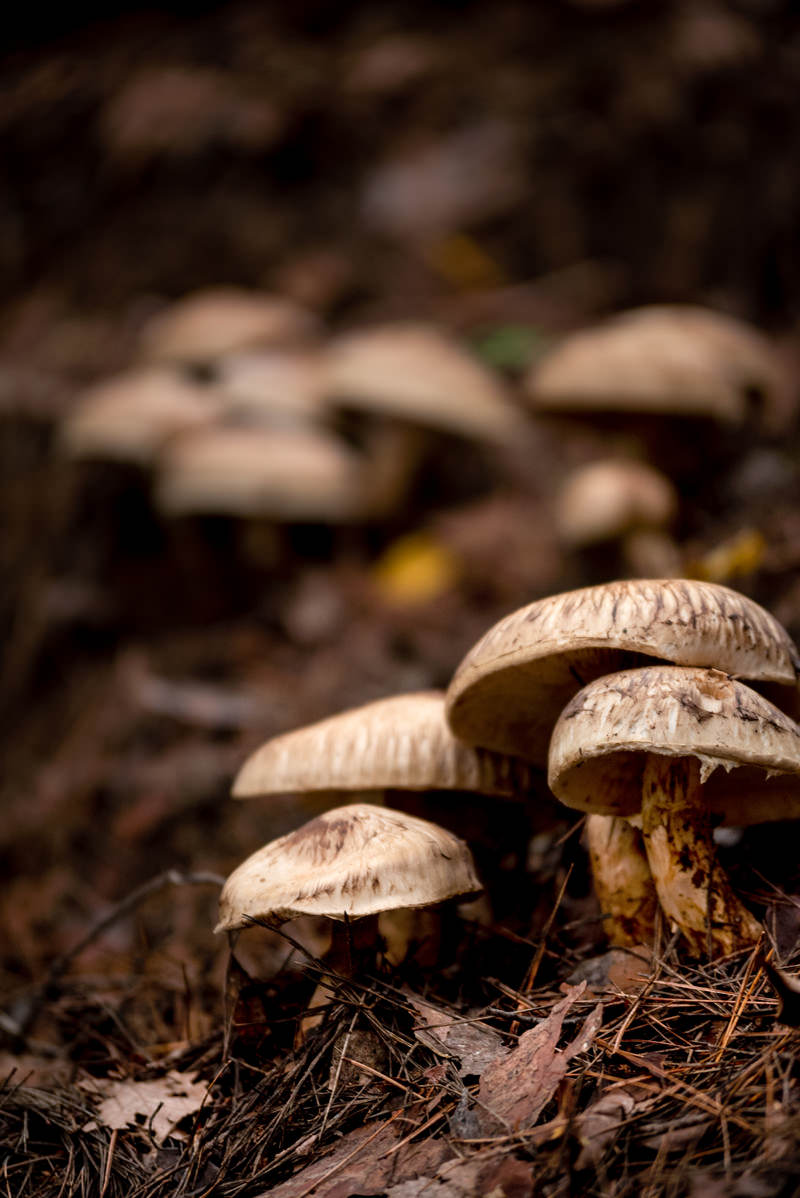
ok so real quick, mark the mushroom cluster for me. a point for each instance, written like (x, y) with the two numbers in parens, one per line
(629, 694)
(364, 859)
(577, 682)
(237, 401)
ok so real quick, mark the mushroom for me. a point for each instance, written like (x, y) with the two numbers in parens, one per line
(241, 470)
(417, 373)
(511, 687)
(207, 324)
(350, 863)
(620, 502)
(401, 751)
(129, 417)
(652, 741)
(406, 382)
(709, 374)
(675, 360)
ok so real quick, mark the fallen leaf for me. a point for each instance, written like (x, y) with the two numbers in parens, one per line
(623, 969)
(474, 1043)
(599, 1124)
(490, 1173)
(363, 1162)
(515, 1089)
(157, 1105)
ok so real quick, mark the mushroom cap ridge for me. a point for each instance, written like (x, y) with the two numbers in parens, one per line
(509, 689)
(349, 862)
(601, 741)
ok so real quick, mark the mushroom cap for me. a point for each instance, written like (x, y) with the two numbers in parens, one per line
(284, 474)
(668, 359)
(400, 743)
(207, 324)
(510, 688)
(130, 416)
(275, 386)
(601, 741)
(419, 374)
(608, 498)
(349, 862)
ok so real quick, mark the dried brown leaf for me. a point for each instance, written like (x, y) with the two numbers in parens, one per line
(364, 1162)
(515, 1089)
(475, 1044)
(157, 1105)
(599, 1124)
(491, 1173)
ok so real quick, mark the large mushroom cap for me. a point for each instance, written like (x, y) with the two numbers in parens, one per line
(207, 324)
(402, 742)
(602, 740)
(283, 474)
(418, 374)
(676, 360)
(510, 688)
(350, 862)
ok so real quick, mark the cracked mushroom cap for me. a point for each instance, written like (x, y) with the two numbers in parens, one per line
(400, 743)
(283, 474)
(350, 862)
(131, 416)
(208, 324)
(674, 360)
(510, 688)
(749, 751)
(419, 374)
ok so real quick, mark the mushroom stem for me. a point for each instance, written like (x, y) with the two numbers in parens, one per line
(692, 887)
(622, 880)
(351, 941)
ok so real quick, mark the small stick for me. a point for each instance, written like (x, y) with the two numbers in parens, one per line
(170, 877)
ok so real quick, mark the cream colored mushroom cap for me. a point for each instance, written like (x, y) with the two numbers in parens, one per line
(280, 387)
(606, 499)
(419, 374)
(207, 324)
(749, 751)
(400, 743)
(285, 474)
(510, 688)
(349, 862)
(130, 416)
(678, 360)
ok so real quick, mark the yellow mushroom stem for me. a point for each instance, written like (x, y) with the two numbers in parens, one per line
(622, 880)
(693, 889)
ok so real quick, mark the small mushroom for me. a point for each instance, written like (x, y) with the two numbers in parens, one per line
(416, 373)
(680, 745)
(129, 417)
(618, 502)
(276, 387)
(207, 324)
(239, 470)
(350, 863)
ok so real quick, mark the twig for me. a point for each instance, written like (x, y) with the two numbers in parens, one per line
(170, 877)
